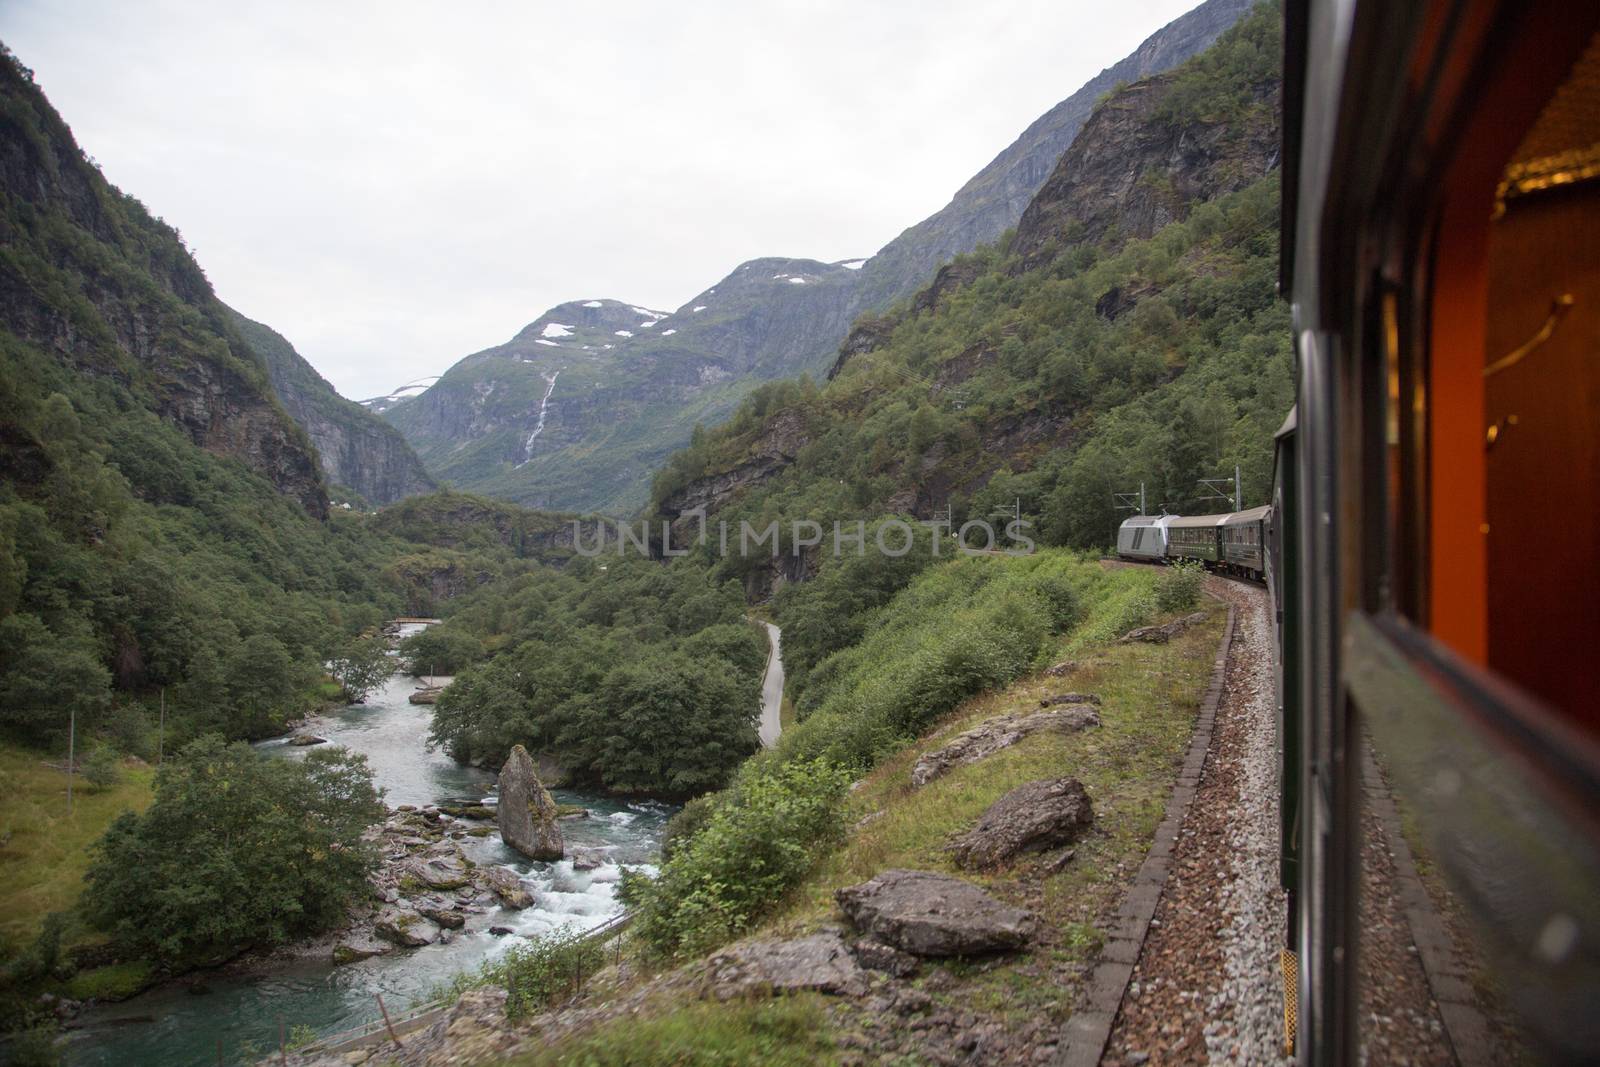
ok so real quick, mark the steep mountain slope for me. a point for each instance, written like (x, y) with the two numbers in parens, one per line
(359, 451)
(769, 319)
(165, 537)
(86, 273)
(581, 406)
(1128, 332)
(994, 199)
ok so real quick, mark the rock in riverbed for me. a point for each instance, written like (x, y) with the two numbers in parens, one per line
(1031, 818)
(307, 740)
(527, 812)
(405, 927)
(995, 734)
(929, 914)
(505, 885)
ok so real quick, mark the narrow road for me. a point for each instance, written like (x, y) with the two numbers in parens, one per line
(772, 689)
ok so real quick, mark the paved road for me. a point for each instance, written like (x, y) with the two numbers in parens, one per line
(772, 690)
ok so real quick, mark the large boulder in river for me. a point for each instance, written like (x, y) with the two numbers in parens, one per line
(929, 914)
(1031, 818)
(991, 736)
(527, 813)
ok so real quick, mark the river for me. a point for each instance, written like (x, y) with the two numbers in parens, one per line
(172, 1027)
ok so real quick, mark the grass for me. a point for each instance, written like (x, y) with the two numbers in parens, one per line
(1150, 697)
(787, 1032)
(44, 850)
(116, 981)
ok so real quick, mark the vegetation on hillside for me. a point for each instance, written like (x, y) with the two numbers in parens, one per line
(1158, 361)
(134, 564)
(955, 631)
(634, 675)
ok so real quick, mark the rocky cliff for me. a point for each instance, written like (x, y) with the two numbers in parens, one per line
(614, 414)
(578, 410)
(1075, 337)
(1154, 149)
(359, 451)
(87, 273)
(995, 198)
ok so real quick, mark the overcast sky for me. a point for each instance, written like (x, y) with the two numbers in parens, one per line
(393, 185)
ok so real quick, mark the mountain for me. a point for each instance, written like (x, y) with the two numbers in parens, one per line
(359, 451)
(994, 199)
(415, 387)
(610, 422)
(89, 276)
(1127, 331)
(166, 542)
(577, 410)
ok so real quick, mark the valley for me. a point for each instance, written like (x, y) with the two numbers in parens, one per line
(202, 547)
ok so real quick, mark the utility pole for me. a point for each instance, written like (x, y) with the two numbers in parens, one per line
(1238, 489)
(72, 745)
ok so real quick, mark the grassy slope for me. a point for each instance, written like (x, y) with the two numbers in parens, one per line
(1151, 695)
(45, 851)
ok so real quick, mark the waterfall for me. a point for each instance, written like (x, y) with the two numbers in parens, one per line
(544, 406)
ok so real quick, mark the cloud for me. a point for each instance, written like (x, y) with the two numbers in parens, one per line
(394, 185)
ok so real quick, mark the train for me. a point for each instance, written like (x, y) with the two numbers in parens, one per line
(1433, 546)
(1440, 253)
(1234, 543)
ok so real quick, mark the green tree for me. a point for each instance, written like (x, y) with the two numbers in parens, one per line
(236, 850)
(45, 677)
(362, 666)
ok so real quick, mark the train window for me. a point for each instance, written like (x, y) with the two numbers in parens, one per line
(1514, 381)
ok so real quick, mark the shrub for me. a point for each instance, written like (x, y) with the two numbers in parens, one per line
(536, 974)
(102, 769)
(761, 840)
(236, 849)
(1178, 588)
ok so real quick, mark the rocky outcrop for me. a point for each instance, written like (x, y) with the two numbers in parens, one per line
(870, 333)
(359, 451)
(995, 198)
(928, 914)
(995, 734)
(1160, 635)
(1142, 161)
(771, 450)
(820, 963)
(950, 277)
(1031, 818)
(527, 813)
(112, 292)
(1059, 699)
